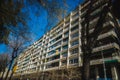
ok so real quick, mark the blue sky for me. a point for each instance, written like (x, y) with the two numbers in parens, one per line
(37, 23)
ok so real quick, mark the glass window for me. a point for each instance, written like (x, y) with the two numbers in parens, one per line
(75, 35)
(65, 40)
(75, 43)
(66, 34)
(50, 53)
(65, 47)
(72, 61)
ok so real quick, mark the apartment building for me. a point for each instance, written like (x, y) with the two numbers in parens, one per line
(58, 48)
(61, 46)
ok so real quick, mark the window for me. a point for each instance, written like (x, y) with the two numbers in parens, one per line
(66, 34)
(50, 53)
(64, 54)
(74, 43)
(65, 47)
(56, 57)
(75, 35)
(52, 65)
(59, 32)
(58, 38)
(73, 61)
(65, 40)
(52, 41)
(57, 44)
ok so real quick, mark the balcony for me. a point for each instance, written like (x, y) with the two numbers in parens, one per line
(73, 39)
(53, 54)
(53, 58)
(74, 21)
(55, 42)
(75, 46)
(105, 47)
(66, 29)
(94, 20)
(52, 65)
(52, 61)
(74, 31)
(95, 11)
(73, 62)
(75, 24)
(73, 43)
(76, 16)
(65, 43)
(75, 35)
(100, 61)
(75, 12)
(85, 4)
(104, 25)
(55, 48)
(52, 68)
(64, 55)
(64, 48)
(83, 13)
(66, 34)
(107, 34)
(73, 55)
(56, 37)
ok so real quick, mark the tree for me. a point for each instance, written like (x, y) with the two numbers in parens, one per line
(4, 60)
(12, 16)
(17, 44)
(62, 74)
(89, 40)
(9, 17)
(70, 73)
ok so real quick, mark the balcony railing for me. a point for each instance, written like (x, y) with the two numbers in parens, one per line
(100, 61)
(76, 30)
(53, 68)
(75, 46)
(85, 4)
(107, 34)
(52, 61)
(75, 17)
(105, 47)
(104, 25)
(73, 25)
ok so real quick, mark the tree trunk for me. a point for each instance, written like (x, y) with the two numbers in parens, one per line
(11, 76)
(2, 75)
(86, 69)
(9, 69)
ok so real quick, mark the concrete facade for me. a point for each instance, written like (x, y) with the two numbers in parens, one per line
(61, 46)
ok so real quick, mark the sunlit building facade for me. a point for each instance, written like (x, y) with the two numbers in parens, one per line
(61, 46)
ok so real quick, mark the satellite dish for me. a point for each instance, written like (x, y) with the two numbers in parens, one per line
(116, 8)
